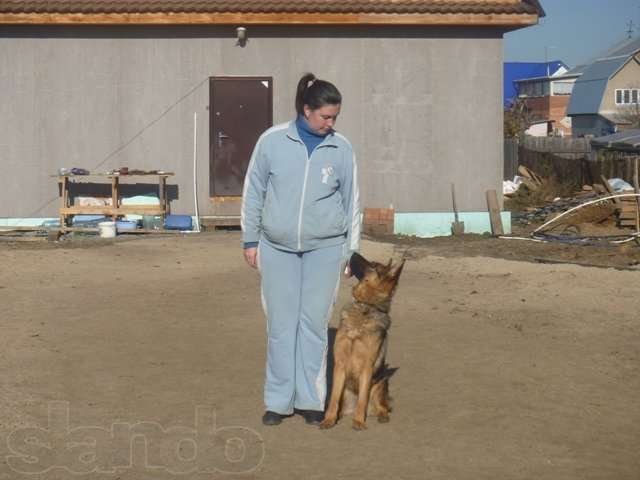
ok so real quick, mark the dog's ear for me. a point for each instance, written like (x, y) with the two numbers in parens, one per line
(398, 270)
(359, 265)
(395, 274)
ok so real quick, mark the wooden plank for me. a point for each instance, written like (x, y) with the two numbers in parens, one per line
(494, 213)
(184, 18)
(21, 238)
(111, 211)
(24, 229)
(115, 199)
(111, 175)
(80, 229)
(120, 232)
(150, 230)
(636, 186)
(607, 187)
(64, 185)
(163, 196)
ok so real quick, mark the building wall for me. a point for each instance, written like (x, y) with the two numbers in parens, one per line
(627, 77)
(422, 106)
(591, 125)
(553, 108)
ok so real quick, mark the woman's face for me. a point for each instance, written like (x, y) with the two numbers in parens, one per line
(322, 119)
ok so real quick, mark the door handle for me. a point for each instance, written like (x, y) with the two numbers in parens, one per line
(221, 136)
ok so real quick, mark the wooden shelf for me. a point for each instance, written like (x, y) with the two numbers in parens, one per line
(107, 210)
(114, 210)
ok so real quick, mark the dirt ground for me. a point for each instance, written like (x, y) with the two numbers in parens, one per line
(144, 359)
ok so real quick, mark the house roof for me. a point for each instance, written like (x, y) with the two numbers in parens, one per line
(575, 71)
(590, 87)
(627, 140)
(444, 12)
(515, 71)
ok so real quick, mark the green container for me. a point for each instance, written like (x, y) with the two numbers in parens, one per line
(152, 222)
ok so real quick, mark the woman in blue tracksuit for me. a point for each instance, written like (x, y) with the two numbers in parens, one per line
(300, 223)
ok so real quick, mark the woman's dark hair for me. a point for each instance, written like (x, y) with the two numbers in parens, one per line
(315, 93)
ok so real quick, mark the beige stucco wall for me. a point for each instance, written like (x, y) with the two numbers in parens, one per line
(422, 106)
(627, 77)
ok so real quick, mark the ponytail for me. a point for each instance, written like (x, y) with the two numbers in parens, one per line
(315, 93)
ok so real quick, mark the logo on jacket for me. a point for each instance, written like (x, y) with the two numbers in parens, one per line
(326, 173)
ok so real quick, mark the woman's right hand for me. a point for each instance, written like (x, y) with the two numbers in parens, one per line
(251, 256)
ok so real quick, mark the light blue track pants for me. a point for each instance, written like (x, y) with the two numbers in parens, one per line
(298, 294)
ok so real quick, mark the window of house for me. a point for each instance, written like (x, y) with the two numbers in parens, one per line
(538, 89)
(626, 96)
(562, 88)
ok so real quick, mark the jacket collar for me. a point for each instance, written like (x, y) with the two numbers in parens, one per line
(292, 133)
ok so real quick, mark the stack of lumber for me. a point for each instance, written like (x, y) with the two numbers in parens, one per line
(530, 178)
(627, 215)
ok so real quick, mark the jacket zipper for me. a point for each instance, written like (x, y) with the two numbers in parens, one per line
(304, 191)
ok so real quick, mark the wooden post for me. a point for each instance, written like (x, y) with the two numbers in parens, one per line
(637, 190)
(64, 196)
(162, 196)
(494, 213)
(115, 182)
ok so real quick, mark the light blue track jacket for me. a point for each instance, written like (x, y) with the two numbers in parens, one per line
(299, 202)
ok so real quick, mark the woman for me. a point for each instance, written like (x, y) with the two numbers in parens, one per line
(300, 223)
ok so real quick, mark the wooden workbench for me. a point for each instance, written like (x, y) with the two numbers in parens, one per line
(114, 210)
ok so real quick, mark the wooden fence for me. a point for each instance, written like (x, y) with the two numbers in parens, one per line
(568, 160)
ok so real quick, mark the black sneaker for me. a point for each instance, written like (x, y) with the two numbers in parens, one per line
(311, 417)
(272, 418)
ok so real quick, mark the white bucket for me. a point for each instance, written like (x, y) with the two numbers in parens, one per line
(107, 229)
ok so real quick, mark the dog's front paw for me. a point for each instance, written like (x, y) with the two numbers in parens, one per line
(327, 423)
(358, 425)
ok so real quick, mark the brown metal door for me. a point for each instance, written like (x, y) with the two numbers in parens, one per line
(240, 110)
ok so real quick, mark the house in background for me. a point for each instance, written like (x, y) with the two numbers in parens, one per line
(100, 84)
(518, 71)
(606, 96)
(547, 99)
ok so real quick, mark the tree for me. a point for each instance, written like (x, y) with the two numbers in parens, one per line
(517, 119)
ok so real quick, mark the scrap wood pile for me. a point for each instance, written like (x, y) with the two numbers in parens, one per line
(627, 215)
(612, 201)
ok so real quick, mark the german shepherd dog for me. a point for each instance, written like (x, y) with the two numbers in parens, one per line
(360, 375)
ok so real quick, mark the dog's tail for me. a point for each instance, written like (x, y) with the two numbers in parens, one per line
(385, 372)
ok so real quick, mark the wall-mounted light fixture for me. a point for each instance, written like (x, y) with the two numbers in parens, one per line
(241, 35)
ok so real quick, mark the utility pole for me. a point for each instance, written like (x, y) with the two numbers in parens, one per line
(546, 56)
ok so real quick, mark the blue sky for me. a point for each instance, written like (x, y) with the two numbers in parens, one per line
(578, 29)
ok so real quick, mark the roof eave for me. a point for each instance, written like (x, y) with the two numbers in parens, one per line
(551, 79)
(617, 70)
(538, 7)
(457, 19)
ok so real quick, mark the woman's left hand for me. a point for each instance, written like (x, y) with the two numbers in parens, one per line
(251, 256)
